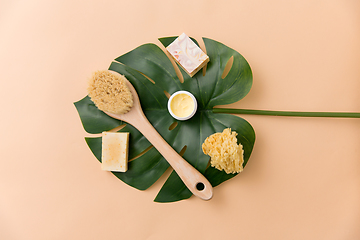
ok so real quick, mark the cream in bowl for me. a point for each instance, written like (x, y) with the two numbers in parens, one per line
(182, 105)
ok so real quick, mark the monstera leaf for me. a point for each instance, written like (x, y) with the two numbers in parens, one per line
(152, 74)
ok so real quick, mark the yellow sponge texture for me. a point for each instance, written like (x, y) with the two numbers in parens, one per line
(224, 151)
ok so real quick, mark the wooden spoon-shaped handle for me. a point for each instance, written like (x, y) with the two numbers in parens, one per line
(191, 177)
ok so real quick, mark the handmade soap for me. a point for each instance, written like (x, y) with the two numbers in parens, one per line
(114, 151)
(187, 54)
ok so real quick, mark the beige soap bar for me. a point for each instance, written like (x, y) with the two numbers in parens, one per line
(185, 52)
(114, 151)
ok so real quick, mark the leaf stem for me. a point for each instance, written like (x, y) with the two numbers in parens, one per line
(288, 113)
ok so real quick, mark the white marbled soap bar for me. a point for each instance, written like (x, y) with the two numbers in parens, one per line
(190, 57)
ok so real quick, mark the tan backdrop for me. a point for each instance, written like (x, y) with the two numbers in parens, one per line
(302, 180)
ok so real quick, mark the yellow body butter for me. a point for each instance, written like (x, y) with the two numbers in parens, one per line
(182, 105)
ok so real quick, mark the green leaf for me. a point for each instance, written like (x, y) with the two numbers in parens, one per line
(93, 120)
(168, 195)
(246, 137)
(143, 171)
(234, 86)
(147, 64)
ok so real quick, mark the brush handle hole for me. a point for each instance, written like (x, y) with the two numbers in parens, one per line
(200, 186)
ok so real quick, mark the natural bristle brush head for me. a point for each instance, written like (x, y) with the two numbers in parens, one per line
(109, 92)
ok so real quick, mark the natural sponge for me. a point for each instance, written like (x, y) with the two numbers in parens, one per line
(109, 92)
(224, 151)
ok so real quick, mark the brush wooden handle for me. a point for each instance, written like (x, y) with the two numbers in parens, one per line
(191, 177)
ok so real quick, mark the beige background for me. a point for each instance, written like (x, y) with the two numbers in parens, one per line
(302, 180)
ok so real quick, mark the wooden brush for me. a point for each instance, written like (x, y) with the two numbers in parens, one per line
(114, 99)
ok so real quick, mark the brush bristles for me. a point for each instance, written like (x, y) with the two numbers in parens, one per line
(110, 93)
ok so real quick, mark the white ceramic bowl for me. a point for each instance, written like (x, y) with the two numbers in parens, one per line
(186, 117)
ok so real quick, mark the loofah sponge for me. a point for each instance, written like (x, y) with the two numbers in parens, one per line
(109, 92)
(224, 151)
